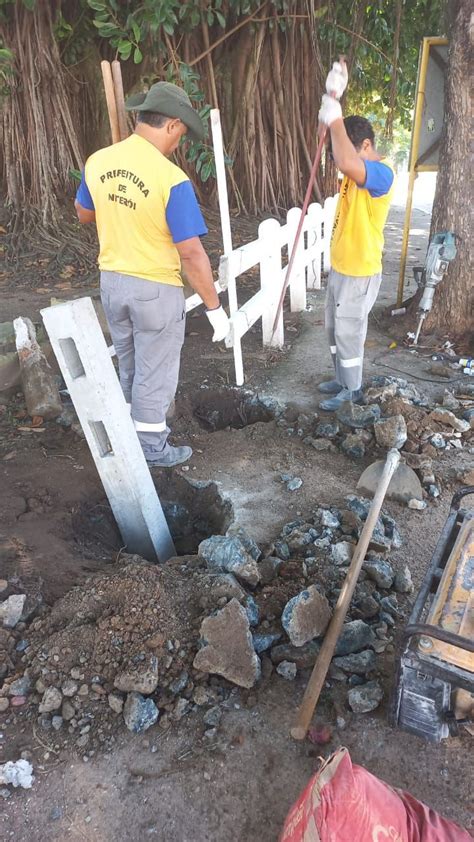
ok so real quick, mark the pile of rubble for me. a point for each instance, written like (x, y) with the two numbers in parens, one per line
(146, 643)
(395, 414)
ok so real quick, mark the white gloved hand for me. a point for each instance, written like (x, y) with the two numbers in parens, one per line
(330, 110)
(220, 322)
(336, 82)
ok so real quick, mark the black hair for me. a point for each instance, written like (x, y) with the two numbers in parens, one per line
(359, 129)
(152, 118)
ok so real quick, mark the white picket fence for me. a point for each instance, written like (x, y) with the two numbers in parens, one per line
(311, 258)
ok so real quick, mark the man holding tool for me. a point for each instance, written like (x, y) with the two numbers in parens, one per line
(149, 224)
(357, 240)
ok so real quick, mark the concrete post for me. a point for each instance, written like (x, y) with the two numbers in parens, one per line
(87, 368)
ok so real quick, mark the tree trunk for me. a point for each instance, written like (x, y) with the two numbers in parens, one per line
(453, 308)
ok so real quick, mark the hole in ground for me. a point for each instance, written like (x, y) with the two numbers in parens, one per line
(220, 408)
(194, 510)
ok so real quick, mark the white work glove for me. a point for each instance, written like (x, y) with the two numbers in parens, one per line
(330, 110)
(220, 322)
(336, 82)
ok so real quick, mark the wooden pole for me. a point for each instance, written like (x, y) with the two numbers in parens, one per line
(318, 676)
(110, 99)
(119, 99)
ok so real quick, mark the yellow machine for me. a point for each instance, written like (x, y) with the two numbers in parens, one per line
(435, 687)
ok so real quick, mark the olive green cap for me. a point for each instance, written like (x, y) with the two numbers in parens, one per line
(171, 101)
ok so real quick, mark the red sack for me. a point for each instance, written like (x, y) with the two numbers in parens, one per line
(345, 803)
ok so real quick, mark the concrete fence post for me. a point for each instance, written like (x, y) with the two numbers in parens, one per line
(85, 363)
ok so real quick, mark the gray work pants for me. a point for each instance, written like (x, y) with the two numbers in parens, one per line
(349, 301)
(146, 321)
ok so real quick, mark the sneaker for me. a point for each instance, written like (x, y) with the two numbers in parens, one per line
(334, 403)
(170, 457)
(330, 387)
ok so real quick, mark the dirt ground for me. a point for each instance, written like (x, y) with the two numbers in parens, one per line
(172, 785)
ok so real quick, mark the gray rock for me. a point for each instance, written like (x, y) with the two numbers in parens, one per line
(204, 695)
(380, 571)
(52, 700)
(444, 416)
(342, 552)
(115, 702)
(4, 704)
(355, 636)
(389, 604)
(391, 432)
(404, 485)
(181, 708)
(294, 484)
(322, 543)
(391, 531)
(306, 616)
(328, 431)
(287, 670)
(57, 722)
(358, 417)
(419, 505)
(358, 505)
(262, 642)
(301, 537)
(20, 687)
(354, 446)
(139, 713)
(11, 610)
(228, 646)
(269, 569)
(365, 607)
(359, 663)
(229, 554)
(68, 711)
(253, 611)
(328, 518)
(281, 550)
(366, 697)
(56, 813)
(216, 586)
(213, 716)
(322, 444)
(433, 490)
(250, 545)
(303, 656)
(179, 684)
(438, 441)
(403, 582)
(69, 688)
(143, 680)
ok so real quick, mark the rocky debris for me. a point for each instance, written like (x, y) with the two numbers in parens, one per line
(359, 663)
(52, 700)
(403, 582)
(292, 483)
(287, 670)
(4, 704)
(263, 642)
(215, 587)
(139, 713)
(144, 680)
(342, 552)
(355, 636)
(304, 656)
(250, 545)
(228, 553)
(253, 611)
(358, 417)
(404, 485)
(227, 646)
(328, 430)
(11, 610)
(365, 697)
(418, 505)
(306, 616)
(20, 687)
(391, 432)
(445, 417)
(354, 445)
(380, 571)
(17, 773)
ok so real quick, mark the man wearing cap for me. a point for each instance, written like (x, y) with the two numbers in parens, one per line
(149, 225)
(356, 242)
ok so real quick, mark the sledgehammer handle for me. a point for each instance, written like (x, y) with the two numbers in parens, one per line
(318, 676)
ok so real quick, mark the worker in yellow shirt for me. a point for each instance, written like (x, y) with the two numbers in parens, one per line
(149, 225)
(356, 243)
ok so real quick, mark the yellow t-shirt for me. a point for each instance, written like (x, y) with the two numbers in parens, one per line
(144, 204)
(357, 236)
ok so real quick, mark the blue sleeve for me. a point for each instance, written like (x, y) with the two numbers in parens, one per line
(379, 178)
(183, 213)
(83, 195)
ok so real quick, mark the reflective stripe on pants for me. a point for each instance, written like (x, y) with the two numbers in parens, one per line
(146, 321)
